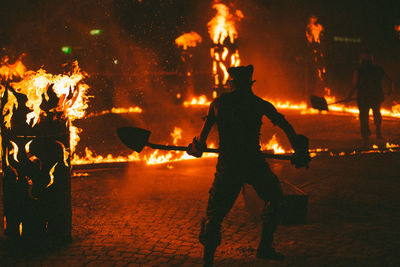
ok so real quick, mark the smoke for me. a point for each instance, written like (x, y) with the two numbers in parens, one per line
(272, 39)
(134, 61)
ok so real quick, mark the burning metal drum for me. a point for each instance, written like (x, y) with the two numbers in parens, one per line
(37, 183)
(37, 109)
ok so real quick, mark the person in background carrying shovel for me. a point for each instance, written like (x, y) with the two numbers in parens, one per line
(367, 81)
(238, 115)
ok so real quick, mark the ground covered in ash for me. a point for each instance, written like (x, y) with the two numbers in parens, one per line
(139, 215)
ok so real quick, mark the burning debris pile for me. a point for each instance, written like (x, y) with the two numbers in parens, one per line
(36, 110)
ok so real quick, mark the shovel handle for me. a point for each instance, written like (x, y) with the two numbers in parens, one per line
(342, 101)
(214, 150)
(179, 148)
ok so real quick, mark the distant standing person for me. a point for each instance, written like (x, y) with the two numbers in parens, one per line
(367, 81)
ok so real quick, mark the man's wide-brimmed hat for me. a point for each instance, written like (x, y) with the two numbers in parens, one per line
(242, 73)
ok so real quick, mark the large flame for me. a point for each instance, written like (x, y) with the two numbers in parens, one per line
(34, 84)
(10, 71)
(314, 30)
(191, 39)
(223, 24)
(69, 89)
(223, 33)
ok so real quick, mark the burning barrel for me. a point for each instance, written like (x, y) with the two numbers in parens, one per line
(36, 114)
(37, 182)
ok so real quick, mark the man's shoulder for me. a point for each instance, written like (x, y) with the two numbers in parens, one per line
(263, 102)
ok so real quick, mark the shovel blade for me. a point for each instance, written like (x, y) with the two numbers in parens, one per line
(318, 103)
(134, 138)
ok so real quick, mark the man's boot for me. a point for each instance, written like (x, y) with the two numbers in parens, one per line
(210, 237)
(208, 257)
(265, 249)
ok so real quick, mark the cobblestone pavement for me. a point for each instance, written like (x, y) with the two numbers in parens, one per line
(149, 216)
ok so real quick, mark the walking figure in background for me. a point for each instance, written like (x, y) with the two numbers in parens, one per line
(238, 115)
(367, 81)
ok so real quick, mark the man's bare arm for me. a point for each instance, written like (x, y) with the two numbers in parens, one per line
(288, 130)
(279, 120)
(210, 120)
(198, 145)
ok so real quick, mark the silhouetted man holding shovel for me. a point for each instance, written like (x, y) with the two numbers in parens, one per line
(367, 81)
(238, 115)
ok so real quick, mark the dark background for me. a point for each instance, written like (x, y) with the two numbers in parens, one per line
(141, 34)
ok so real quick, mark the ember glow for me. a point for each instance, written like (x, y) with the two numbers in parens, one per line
(191, 39)
(134, 109)
(397, 29)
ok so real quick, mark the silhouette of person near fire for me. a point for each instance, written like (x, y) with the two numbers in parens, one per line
(367, 81)
(238, 116)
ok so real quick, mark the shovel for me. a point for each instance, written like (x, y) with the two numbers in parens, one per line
(137, 138)
(320, 102)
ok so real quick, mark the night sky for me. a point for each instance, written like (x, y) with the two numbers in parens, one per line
(141, 34)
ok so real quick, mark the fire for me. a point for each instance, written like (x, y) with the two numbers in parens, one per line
(44, 92)
(223, 25)
(223, 33)
(177, 135)
(9, 71)
(191, 39)
(197, 101)
(14, 151)
(314, 30)
(90, 158)
(161, 157)
(134, 109)
(156, 157)
(51, 174)
(273, 145)
(68, 88)
(337, 109)
(173, 156)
